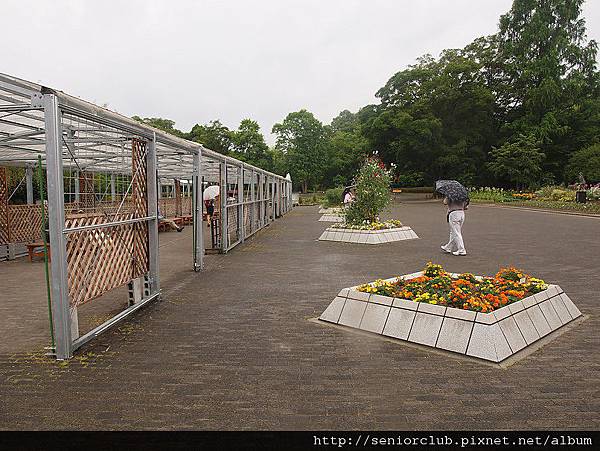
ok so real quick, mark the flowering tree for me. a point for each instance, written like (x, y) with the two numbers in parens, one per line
(372, 193)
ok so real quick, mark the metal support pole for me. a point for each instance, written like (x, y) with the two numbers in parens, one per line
(272, 198)
(252, 206)
(197, 202)
(56, 218)
(77, 186)
(261, 197)
(280, 197)
(152, 165)
(223, 196)
(241, 202)
(29, 180)
(113, 187)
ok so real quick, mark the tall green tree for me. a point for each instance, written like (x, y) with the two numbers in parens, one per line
(248, 144)
(549, 68)
(165, 125)
(213, 135)
(302, 138)
(519, 161)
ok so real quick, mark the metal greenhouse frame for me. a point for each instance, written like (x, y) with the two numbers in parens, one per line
(104, 176)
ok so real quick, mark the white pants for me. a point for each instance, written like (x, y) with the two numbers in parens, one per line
(455, 221)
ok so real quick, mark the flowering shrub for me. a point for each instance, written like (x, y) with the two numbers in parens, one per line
(526, 196)
(467, 292)
(372, 193)
(367, 225)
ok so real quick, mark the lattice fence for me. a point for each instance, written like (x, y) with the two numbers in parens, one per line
(177, 198)
(167, 207)
(186, 206)
(100, 259)
(4, 214)
(87, 196)
(232, 225)
(26, 223)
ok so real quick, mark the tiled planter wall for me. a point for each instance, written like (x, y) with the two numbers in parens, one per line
(368, 236)
(490, 336)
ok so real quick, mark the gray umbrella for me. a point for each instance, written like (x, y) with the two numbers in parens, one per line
(453, 190)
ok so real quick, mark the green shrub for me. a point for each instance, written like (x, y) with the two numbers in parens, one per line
(556, 193)
(333, 197)
(586, 161)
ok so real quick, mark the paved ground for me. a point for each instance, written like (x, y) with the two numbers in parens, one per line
(24, 324)
(233, 347)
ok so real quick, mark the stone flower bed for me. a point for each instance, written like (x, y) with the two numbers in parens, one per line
(369, 233)
(490, 318)
(330, 210)
(332, 217)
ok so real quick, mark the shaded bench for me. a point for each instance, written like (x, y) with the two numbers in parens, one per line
(33, 249)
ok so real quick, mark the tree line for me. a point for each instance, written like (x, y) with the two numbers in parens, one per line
(519, 108)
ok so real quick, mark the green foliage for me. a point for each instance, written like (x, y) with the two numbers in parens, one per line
(518, 161)
(333, 197)
(248, 143)
(213, 135)
(409, 179)
(585, 161)
(302, 138)
(372, 193)
(490, 194)
(165, 125)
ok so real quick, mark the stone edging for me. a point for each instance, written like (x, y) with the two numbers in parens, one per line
(331, 217)
(368, 236)
(489, 336)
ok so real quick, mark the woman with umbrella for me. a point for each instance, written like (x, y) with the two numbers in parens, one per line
(456, 197)
(209, 196)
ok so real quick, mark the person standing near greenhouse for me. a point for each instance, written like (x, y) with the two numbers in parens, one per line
(456, 198)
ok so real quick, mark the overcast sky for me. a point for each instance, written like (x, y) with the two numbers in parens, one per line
(194, 61)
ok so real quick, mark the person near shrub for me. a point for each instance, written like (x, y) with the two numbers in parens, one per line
(348, 197)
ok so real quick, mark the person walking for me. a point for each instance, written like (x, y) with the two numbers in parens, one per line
(455, 218)
(456, 198)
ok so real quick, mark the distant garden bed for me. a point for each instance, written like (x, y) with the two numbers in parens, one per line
(550, 197)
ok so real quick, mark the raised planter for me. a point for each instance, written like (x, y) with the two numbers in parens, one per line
(491, 336)
(368, 236)
(332, 210)
(331, 217)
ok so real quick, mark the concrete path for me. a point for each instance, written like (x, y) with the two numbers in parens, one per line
(234, 347)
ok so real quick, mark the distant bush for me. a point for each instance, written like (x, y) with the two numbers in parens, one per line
(333, 197)
(410, 179)
(586, 161)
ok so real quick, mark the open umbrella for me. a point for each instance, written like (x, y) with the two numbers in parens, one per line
(210, 192)
(453, 190)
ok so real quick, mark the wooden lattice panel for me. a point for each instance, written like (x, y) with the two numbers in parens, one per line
(177, 198)
(4, 214)
(186, 206)
(87, 196)
(101, 259)
(167, 207)
(232, 224)
(26, 223)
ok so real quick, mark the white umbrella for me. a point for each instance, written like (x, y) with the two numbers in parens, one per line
(211, 192)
